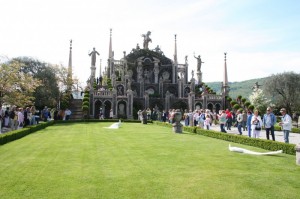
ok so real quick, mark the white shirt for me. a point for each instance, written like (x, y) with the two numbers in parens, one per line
(287, 122)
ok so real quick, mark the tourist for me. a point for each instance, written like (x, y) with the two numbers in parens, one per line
(269, 121)
(186, 118)
(249, 118)
(201, 119)
(140, 116)
(13, 116)
(6, 117)
(286, 124)
(32, 111)
(45, 114)
(111, 114)
(207, 121)
(244, 122)
(20, 118)
(239, 120)
(195, 117)
(68, 114)
(27, 116)
(222, 119)
(190, 114)
(256, 124)
(1, 118)
(229, 119)
(164, 116)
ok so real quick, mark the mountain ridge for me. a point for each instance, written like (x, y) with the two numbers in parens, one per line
(243, 88)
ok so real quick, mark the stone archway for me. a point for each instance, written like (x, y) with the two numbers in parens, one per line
(121, 109)
(218, 107)
(210, 106)
(98, 105)
(181, 105)
(107, 107)
(198, 106)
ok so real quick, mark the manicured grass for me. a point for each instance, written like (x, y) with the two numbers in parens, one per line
(138, 161)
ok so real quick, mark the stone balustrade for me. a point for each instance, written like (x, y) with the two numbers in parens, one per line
(105, 93)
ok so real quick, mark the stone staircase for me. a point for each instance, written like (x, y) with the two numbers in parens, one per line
(76, 108)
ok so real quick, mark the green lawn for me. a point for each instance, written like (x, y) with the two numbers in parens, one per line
(138, 161)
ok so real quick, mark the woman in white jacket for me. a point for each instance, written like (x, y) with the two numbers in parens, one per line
(256, 124)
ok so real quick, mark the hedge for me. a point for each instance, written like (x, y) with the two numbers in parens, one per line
(260, 143)
(17, 134)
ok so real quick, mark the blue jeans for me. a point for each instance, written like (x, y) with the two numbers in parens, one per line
(286, 135)
(240, 128)
(222, 128)
(244, 125)
(268, 130)
(249, 130)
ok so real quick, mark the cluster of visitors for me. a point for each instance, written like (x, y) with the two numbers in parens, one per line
(16, 117)
(254, 123)
(13, 118)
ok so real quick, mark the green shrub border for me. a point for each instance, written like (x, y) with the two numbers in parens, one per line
(17, 134)
(260, 143)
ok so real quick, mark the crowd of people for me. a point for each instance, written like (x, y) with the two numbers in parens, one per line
(249, 121)
(13, 118)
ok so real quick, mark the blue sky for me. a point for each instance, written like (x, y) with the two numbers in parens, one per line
(261, 37)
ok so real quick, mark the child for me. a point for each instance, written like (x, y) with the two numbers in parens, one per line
(207, 121)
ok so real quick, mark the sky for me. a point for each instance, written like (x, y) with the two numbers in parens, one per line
(260, 37)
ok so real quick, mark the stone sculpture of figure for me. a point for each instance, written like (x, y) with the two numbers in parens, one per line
(93, 54)
(256, 86)
(192, 73)
(186, 59)
(157, 49)
(100, 80)
(199, 62)
(129, 84)
(147, 39)
(137, 47)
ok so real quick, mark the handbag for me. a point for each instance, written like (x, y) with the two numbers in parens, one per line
(257, 126)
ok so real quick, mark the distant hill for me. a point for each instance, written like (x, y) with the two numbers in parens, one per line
(243, 88)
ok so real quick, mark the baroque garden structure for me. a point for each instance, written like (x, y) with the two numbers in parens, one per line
(146, 78)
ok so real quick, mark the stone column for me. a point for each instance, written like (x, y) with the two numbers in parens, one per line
(156, 71)
(160, 88)
(126, 82)
(199, 75)
(186, 73)
(139, 70)
(113, 80)
(191, 100)
(180, 88)
(142, 88)
(167, 101)
(192, 85)
(114, 103)
(129, 104)
(91, 104)
(146, 97)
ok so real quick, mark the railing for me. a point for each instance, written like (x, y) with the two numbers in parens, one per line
(103, 93)
(215, 97)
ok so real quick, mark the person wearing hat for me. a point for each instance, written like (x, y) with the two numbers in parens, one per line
(286, 124)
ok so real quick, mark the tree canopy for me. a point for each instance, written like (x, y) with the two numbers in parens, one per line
(16, 86)
(284, 89)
